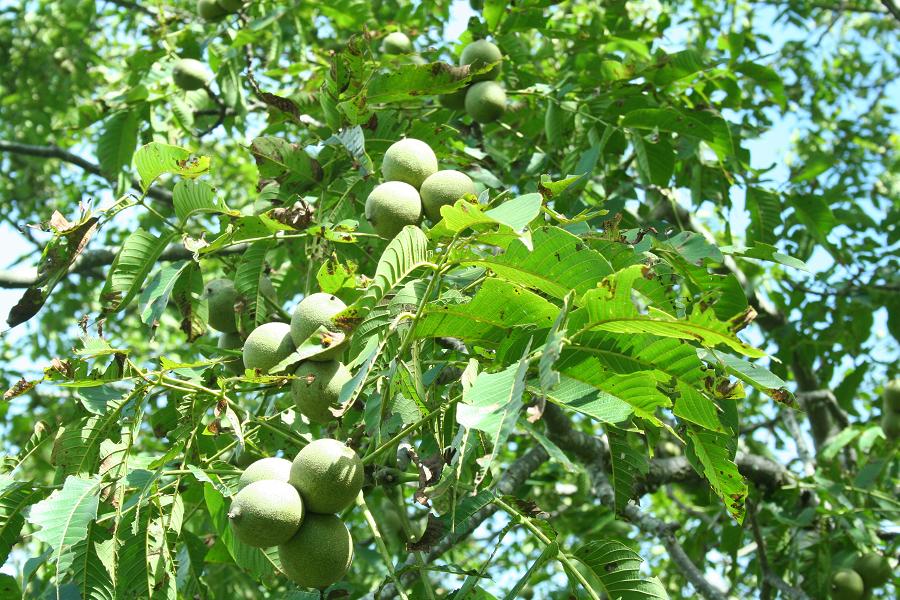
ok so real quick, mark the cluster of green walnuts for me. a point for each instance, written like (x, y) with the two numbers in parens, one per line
(484, 99)
(870, 571)
(318, 379)
(413, 186)
(294, 505)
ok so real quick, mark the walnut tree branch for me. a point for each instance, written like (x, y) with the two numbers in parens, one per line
(66, 156)
(87, 264)
(512, 479)
(892, 8)
(587, 448)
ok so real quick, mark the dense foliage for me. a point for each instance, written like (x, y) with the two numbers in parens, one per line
(636, 363)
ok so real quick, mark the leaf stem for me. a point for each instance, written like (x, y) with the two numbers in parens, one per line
(371, 456)
(561, 556)
(379, 543)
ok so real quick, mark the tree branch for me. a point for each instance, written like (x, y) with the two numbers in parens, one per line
(892, 8)
(586, 447)
(512, 480)
(87, 263)
(66, 156)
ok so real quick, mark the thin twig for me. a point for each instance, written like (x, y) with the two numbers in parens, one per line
(87, 264)
(84, 164)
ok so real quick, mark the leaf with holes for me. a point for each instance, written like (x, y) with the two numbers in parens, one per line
(618, 568)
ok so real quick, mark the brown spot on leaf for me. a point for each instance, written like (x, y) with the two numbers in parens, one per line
(434, 531)
(20, 387)
(298, 216)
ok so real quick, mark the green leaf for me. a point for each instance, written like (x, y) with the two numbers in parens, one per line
(615, 401)
(814, 213)
(407, 252)
(753, 374)
(130, 268)
(40, 434)
(712, 450)
(610, 308)
(409, 81)
(761, 251)
(553, 347)
(64, 518)
(117, 142)
(286, 163)
(705, 126)
(462, 514)
(247, 282)
(656, 161)
(93, 559)
(628, 462)
(493, 13)
(672, 67)
(488, 319)
(552, 449)
(559, 263)
(335, 277)
(155, 159)
(492, 403)
(15, 498)
(518, 212)
(76, 449)
(765, 209)
(92, 347)
(766, 77)
(98, 399)
(9, 587)
(354, 141)
(155, 296)
(133, 579)
(549, 553)
(838, 443)
(193, 196)
(618, 569)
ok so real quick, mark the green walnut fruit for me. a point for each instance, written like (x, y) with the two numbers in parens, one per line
(268, 345)
(190, 74)
(874, 569)
(396, 43)
(318, 387)
(319, 554)
(210, 10)
(314, 311)
(486, 101)
(409, 160)
(442, 189)
(266, 513)
(455, 100)
(231, 6)
(232, 341)
(480, 53)
(891, 395)
(846, 584)
(221, 296)
(391, 206)
(328, 474)
(270, 468)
